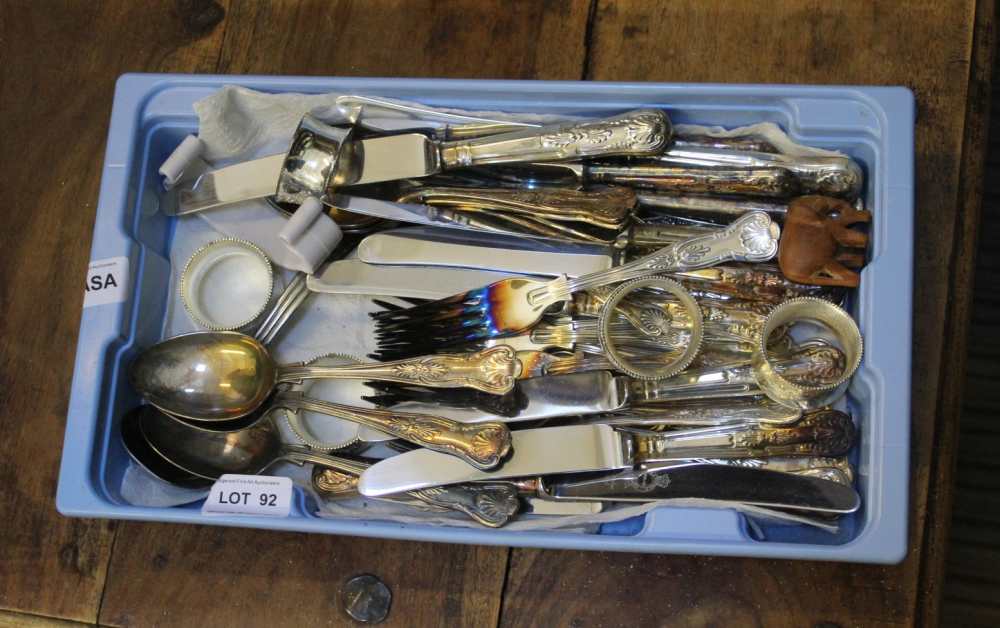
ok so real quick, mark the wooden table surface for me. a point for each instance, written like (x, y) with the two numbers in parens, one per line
(58, 64)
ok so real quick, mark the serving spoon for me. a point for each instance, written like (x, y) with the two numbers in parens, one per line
(209, 454)
(219, 376)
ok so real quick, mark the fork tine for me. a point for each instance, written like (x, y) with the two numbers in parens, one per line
(428, 310)
(449, 330)
(454, 319)
(430, 305)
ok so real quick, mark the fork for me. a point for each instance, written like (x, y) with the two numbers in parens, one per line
(511, 306)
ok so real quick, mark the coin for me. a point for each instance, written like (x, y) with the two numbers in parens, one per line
(366, 599)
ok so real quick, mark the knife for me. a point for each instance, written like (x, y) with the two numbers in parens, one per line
(353, 276)
(418, 246)
(584, 448)
(757, 487)
(599, 391)
(536, 452)
(323, 157)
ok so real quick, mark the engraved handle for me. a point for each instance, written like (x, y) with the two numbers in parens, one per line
(492, 505)
(810, 365)
(662, 235)
(641, 132)
(604, 207)
(831, 175)
(333, 483)
(752, 238)
(731, 380)
(765, 182)
(791, 464)
(706, 413)
(707, 206)
(822, 433)
(492, 370)
(483, 445)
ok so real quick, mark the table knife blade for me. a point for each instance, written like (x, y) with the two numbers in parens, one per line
(569, 449)
(352, 276)
(425, 247)
(758, 487)
(244, 181)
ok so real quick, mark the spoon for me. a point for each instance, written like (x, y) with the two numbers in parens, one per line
(209, 454)
(218, 376)
(150, 460)
(224, 375)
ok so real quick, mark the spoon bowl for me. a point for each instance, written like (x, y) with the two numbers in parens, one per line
(209, 453)
(149, 459)
(207, 376)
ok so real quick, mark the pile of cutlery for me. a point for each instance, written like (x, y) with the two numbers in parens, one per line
(571, 317)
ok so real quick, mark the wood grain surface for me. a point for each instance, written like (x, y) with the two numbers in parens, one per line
(972, 580)
(57, 75)
(434, 585)
(58, 63)
(916, 44)
(208, 576)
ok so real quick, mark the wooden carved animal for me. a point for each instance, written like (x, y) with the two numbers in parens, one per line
(818, 245)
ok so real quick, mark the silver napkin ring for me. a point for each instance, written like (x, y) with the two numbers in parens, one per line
(226, 284)
(807, 395)
(640, 369)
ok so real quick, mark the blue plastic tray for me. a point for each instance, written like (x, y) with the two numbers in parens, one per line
(152, 113)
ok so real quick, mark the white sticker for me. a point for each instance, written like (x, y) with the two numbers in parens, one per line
(107, 281)
(260, 495)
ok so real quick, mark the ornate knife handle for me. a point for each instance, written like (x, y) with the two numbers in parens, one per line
(492, 370)
(752, 238)
(492, 505)
(752, 283)
(334, 483)
(483, 445)
(831, 175)
(821, 433)
(607, 207)
(642, 132)
(765, 182)
(812, 365)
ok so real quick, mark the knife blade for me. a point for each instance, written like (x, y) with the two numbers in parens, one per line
(352, 276)
(758, 487)
(570, 449)
(244, 181)
(419, 246)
